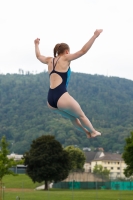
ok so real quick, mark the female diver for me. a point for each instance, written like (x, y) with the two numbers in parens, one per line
(59, 100)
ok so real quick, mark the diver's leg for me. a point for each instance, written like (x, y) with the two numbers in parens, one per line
(69, 105)
(74, 121)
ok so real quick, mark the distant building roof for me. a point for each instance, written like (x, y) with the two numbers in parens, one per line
(15, 156)
(110, 156)
(91, 155)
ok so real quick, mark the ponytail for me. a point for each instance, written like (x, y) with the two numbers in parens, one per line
(60, 48)
(56, 49)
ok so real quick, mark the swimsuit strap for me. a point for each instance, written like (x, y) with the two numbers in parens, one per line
(55, 63)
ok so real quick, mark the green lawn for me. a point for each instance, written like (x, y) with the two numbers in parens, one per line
(19, 181)
(25, 189)
(70, 195)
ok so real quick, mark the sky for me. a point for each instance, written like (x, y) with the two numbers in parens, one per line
(72, 22)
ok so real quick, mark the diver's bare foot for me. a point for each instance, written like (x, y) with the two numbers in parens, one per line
(95, 134)
(88, 134)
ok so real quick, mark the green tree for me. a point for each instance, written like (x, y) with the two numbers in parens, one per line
(77, 157)
(128, 156)
(47, 160)
(5, 162)
(100, 171)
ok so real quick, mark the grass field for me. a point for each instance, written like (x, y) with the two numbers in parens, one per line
(19, 181)
(23, 187)
(69, 195)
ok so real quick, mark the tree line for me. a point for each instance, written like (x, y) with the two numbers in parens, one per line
(24, 115)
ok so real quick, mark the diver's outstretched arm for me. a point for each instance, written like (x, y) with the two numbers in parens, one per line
(85, 48)
(40, 57)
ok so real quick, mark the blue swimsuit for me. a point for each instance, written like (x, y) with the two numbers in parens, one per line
(56, 93)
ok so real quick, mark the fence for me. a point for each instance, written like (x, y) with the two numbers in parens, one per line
(84, 180)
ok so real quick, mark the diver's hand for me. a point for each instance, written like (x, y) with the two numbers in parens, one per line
(98, 32)
(37, 41)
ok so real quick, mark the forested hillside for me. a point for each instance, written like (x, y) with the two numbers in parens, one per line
(24, 115)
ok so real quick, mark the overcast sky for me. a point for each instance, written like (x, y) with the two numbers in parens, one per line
(72, 22)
